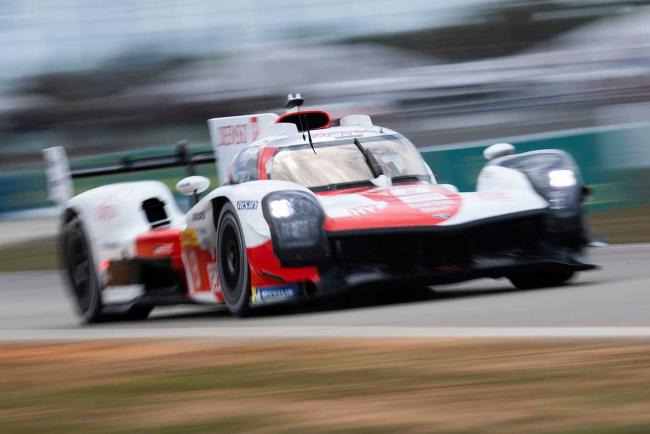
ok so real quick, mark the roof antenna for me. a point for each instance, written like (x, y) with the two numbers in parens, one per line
(296, 101)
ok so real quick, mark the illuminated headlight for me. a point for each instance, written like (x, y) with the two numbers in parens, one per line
(280, 208)
(555, 176)
(295, 219)
(562, 178)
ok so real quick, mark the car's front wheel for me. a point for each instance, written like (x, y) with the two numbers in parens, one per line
(541, 279)
(232, 262)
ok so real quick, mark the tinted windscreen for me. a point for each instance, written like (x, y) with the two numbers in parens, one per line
(538, 163)
(342, 162)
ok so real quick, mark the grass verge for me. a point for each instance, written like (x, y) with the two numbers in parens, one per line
(32, 255)
(621, 226)
(350, 386)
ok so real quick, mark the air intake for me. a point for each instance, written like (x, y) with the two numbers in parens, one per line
(154, 209)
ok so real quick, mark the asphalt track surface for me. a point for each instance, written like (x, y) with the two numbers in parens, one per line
(612, 301)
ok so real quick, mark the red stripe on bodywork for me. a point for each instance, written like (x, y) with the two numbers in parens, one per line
(392, 207)
(267, 270)
(160, 243)
(263, 158)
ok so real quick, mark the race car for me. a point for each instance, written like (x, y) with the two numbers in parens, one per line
(308, 207)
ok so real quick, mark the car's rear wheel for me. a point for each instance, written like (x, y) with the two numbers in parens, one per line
(79, 267)
(541, 279)
(83, 279)
(232, 262)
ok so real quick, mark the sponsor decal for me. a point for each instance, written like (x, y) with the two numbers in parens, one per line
(232, 135)
(246, 205)
(341, 134)
(106, 212)
(363, 210)
(238, 134)
(163, 249)
(274, 294)
(195, 270)
(440, 203)
(351, 205)
(109, 245)
(213, 276)
(188, 238)
(198, 216)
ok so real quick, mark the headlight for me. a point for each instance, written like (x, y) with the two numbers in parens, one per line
(554, 175)
(295, 219)
(280, 208)
(561, 178)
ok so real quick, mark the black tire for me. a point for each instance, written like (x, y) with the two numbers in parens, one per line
(232, 262)
(541, 279)
(79, 268)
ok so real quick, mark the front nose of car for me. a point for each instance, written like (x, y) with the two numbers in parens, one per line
(392, 207)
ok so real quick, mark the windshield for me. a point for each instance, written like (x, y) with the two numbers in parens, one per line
(341, 162)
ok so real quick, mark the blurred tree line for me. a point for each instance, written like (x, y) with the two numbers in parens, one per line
(502, 29)
(88, 107)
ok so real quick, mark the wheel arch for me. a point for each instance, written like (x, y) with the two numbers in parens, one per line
(246, 199)
(217, 205)
(68, 215)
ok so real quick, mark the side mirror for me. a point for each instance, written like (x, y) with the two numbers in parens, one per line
(498, 150)
(192, 185)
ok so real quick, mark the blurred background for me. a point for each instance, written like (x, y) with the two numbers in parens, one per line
(105, 77)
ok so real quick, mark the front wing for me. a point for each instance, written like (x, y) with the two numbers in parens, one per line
(432, 255)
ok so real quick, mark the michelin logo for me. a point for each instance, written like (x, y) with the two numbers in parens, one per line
(274, 294)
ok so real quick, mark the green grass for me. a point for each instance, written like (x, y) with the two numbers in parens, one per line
(621, 226)
(33, 255)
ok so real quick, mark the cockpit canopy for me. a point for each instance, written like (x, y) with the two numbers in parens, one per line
(346, 162)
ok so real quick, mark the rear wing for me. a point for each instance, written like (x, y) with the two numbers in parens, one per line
(231, 134)
(228, 136)
(59, 176)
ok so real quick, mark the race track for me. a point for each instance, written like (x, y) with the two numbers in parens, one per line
(612, 301)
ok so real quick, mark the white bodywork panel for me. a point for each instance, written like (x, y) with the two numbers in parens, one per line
(246, 198)
(499, 191)
(498, 178)
(112, 216)
(485, 205)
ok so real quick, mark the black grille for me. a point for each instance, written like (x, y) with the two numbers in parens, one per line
(437, 248)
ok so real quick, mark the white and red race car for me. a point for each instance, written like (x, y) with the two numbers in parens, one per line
(310, 207)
